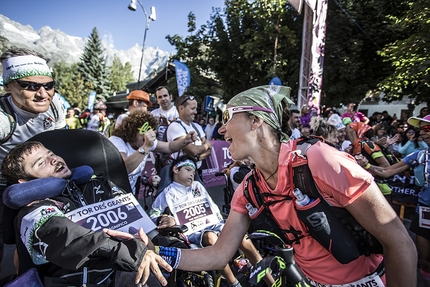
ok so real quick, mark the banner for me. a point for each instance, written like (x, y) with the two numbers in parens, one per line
(91, 100)
(219, 159)
(183, 77)
(317, 54)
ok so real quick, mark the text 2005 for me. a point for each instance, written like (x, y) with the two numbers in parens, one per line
(194, 210)
(106, 219)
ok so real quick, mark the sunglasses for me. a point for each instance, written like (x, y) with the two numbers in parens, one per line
(228, 113)
(425, 128)
(188, 98)
(144, 128)
(33, 86)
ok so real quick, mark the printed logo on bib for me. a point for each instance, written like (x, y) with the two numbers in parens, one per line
(120, 213)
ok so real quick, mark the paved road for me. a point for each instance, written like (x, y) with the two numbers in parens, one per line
(217, 195)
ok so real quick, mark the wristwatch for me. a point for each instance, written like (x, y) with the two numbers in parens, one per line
(142, 151)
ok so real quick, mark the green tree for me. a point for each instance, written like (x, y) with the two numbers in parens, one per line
(120, 75)
(71, 85)
(92, 66)
(244, 45)
(356, 31)
(409, 55)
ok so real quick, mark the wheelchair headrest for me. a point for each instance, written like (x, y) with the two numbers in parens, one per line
(166, 178)
(84, 147)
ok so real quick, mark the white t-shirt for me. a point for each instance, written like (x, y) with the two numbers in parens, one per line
(209, 130)
(170, 114)
(120, 118)
(191, 206)
(295, 134)
(176, 130)
(126, 148)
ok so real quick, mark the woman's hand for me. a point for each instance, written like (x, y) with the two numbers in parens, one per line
(151, 262)
(361, 160)
(148, 140)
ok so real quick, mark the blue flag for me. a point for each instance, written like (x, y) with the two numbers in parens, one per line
(183, 77)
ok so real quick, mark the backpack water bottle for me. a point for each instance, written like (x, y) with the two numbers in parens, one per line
(302, 199)
(323, 225)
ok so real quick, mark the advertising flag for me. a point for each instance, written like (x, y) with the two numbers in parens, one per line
(183, 77)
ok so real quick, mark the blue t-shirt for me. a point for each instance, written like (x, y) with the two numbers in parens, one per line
(418, 160)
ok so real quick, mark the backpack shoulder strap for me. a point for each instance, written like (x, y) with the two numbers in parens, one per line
(192, 124)
(196, 129)
(301, 174)
(7, 110)
(54, 110)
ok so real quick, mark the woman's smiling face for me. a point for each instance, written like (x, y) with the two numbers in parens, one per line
(237, 133)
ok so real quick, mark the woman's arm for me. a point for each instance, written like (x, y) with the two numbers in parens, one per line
(177, 145)
(383, 172)
(400, 256)
(215, 257)
(403, 149)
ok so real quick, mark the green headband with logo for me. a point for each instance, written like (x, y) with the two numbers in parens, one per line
(272, 97)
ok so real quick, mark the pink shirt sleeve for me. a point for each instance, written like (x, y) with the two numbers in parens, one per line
(337, 174)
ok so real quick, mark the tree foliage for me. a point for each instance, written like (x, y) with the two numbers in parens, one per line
(92, 66)
(372, 46)
(243, 45)
(71, 85)
(120, 75)
(409, 55)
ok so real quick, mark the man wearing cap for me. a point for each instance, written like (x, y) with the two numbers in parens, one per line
(137, 100)
(336, 121)
(98, 120)
(419, 161)
(29, 107)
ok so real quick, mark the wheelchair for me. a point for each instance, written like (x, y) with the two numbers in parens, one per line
(239, 264)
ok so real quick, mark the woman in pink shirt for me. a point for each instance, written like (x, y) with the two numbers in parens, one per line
(256, 124)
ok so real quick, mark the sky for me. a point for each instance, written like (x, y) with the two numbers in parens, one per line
(114, 21)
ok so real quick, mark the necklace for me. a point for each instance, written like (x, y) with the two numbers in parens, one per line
(266, 179)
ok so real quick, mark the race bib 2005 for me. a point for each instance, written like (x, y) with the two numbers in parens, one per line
(121, 213)
(196, 214)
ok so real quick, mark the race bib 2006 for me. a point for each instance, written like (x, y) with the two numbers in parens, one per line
(121, 213)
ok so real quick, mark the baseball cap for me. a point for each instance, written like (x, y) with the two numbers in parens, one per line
(415, 121)
(140, 96)
(335, 120)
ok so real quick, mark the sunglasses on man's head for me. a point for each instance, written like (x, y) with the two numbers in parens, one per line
(425, 128)
(33, 86)
(188, 98)
(228, 113)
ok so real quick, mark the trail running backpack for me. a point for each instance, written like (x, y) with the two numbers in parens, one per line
(7, 109)
(346, 239)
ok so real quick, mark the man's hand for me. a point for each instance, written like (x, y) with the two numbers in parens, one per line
(126, 236)
(166, 221)
(152, 261)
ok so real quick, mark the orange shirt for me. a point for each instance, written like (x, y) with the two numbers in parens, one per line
(341, 181)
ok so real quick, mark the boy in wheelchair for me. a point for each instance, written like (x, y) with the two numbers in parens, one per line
(65, 253)
(185, 201)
